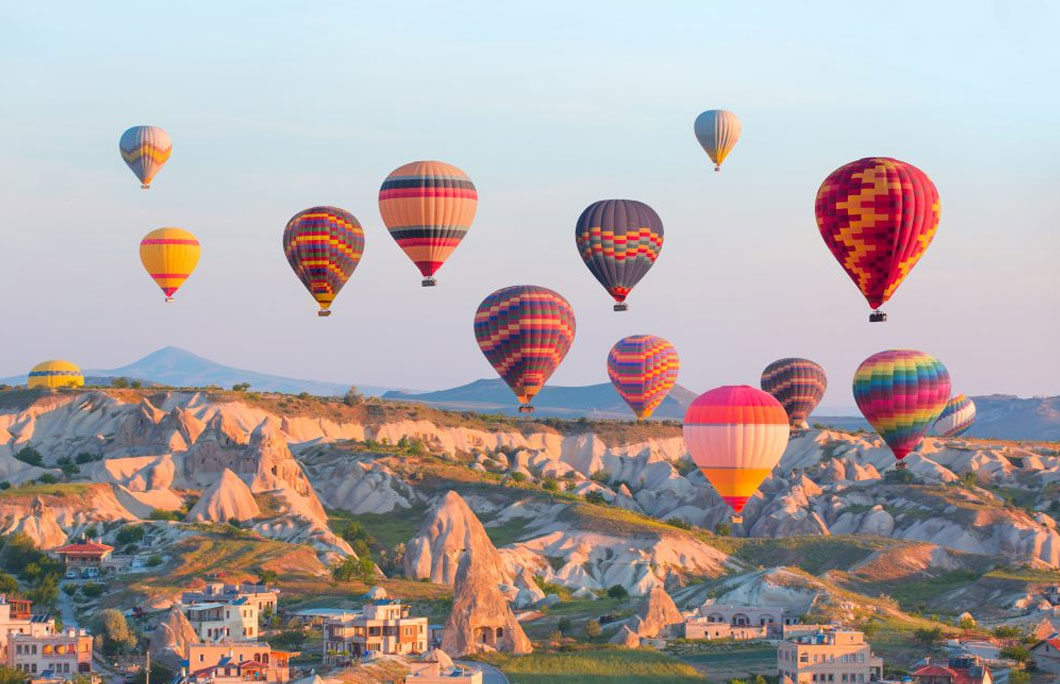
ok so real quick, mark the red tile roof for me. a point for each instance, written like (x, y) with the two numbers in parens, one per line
(85, 547)
(935, 671)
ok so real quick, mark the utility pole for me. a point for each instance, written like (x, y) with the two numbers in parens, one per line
(147, 667)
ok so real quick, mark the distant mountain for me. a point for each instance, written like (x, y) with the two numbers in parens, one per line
(180, 368)
(1003, 416)
(591, 401)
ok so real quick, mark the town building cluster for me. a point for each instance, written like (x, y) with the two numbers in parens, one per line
(35, 646)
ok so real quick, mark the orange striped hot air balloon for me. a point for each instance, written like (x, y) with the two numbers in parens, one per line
(169, 255)
(428, 207)
(736, 435)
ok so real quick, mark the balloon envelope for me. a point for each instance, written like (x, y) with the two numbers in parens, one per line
(643, 369)
(524, 331)
(169, 256)
(736, 435)
(877, 216)
(145, 150)
(957, 417)
(901, 392)
(323, 245)
(619, 240)
(717, 131)
(798, 384)
(428, 207)
(55, 373)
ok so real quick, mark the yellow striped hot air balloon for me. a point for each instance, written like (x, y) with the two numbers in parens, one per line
(717, 131)
(145, 150)
(169, 255)
(55, 373)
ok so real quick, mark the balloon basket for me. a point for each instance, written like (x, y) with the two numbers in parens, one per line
(717, 168)
(169, 300)
(901, 465)
(324, 313)
(621, 306)
(877, 316)
(145, 187)
(526, 408)
(429, 282)
(737, 519)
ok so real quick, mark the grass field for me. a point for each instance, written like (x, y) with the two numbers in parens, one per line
(721, 661)
(388, 529)
(598, 666)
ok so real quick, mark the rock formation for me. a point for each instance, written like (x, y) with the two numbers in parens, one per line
(170, 639)
(227, 499)
(450, 529)
(481, 619)
(657, 616)
(626, 637)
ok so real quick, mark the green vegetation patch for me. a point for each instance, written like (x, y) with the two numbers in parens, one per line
(813, 554)
(388, 529)
(613, 666)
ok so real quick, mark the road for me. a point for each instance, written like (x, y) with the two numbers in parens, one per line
(490, 674)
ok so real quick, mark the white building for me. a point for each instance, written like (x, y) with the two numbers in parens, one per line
(213, 622)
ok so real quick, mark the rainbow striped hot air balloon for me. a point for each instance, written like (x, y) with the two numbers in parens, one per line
(877, 216)
(169, 255)
(736, 435)
(643, 369)
(323, 245)
(428, 207)
(524, 331)
(619, 240)
(957, 417)
(901, 392)
(145, 150)
(798, 384)
(54, 374)
(717, 131)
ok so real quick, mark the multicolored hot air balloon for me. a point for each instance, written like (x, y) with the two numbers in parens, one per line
(524, 332)
(619, 240)
(169, 255)
(956, 418)
(323, 245)
(901, 392)
(877, 215)
(798, 384)
(717, 131)
(52, 374)
(146, 150)
(643, 369)
(428, 207)
(736, 435)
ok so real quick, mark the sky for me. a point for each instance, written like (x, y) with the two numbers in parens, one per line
(548, 106)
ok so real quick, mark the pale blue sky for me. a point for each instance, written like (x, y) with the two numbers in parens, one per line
(549, 106)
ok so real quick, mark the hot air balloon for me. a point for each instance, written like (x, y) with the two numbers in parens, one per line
(428, 207)
(52, 374)
(323, 245)
(524, 332)
(146, 150)
(877, 215)
(901, 392)
(736, 435)
(717, 131)
(956, 418)
(619, 240)
(798, 384)
(169, 255)
(643, 369)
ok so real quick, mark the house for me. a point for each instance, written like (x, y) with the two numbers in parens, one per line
(770, 617)
(384, 626)
(832, 655)
(1047, 654)
(237, 661)
(438, 668)
(262, 596)
(65, 653)
(16, 618)
(83, 555)
(699, 627)
(213, 622)
(957, 670)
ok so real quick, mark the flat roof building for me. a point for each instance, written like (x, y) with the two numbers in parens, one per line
(834, 656)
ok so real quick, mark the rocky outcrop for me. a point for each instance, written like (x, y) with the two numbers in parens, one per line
(170, 639)
(481, 619)
(450, 530)
(625, 637)
(227, 499)
(657, 616)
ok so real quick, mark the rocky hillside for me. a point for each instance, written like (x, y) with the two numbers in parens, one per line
(583, 505)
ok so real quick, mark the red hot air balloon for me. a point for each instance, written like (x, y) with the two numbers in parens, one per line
(643, 369)
(877, 216)
(524, 331)
(619, 240)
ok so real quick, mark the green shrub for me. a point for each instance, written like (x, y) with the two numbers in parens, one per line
(617, 591)
(28, 454)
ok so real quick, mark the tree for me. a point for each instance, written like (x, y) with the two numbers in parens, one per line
(28, 454)
(91, 532)
(592, 629)
(8, 584)
(159, 673)
(267, 576)
(46, 591)
(354, 568)
(353, 396)
(1018, 653)
(550, 484)
(723, 529)
(1018, 677)
(9, 675)
(617, 591)
(18, 552)
(241, 387)
(564, 625)
(115, 632)
(130, 534)
(967, 622)
(120, 383)
(48, 478)
(595, 497)
(928, 636)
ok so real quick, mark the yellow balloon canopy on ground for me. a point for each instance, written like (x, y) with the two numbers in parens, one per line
(55, 373)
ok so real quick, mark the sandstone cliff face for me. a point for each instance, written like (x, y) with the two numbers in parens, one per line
(226, 499)
(657, 616)
(450, 530)
(481, 618)
(170, 639)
